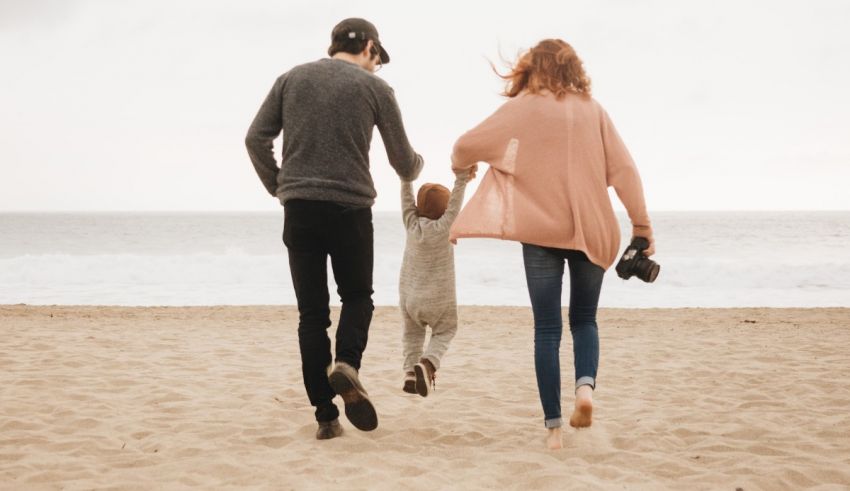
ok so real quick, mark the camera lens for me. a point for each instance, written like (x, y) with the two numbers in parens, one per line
(647, 270)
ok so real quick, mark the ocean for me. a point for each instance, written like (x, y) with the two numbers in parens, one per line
(708, 259)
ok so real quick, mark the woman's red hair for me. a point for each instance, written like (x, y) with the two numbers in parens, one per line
(552, 65)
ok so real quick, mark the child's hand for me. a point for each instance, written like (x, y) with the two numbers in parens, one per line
(467, 174)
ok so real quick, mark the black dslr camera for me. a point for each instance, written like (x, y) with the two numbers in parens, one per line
(635, 263)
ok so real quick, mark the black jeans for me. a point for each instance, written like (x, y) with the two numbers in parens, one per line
(312, 231)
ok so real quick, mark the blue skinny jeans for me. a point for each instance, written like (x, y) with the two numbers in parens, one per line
(544, 272)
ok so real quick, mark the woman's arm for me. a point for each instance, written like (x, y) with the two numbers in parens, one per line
(487, 142)
(622, 173)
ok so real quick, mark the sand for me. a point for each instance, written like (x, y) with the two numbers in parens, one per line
(94, 397)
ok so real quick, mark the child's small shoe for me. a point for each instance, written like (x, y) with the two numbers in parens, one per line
(409, 382)
(426, 377)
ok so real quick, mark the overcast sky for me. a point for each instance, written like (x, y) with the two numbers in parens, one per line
(143, 105)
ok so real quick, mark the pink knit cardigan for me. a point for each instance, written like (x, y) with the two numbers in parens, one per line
(551, 162)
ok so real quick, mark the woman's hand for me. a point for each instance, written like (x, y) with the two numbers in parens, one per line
(468, 173)
(651, 249)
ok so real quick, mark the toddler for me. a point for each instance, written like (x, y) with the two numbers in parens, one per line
(427, 283)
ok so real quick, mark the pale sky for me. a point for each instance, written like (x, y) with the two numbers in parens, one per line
(143, 105)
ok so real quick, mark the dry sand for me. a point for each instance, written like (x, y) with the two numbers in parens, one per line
(212, 398)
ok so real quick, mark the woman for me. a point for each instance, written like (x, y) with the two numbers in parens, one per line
(553, 152)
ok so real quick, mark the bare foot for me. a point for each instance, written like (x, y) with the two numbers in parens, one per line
(583, 414)
(553, 439)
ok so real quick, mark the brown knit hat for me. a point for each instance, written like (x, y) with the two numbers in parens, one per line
(432, 200)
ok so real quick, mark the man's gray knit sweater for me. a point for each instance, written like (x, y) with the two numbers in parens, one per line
(327, 110)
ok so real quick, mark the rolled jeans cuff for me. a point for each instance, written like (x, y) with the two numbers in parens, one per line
(553, 423)
(586, 381)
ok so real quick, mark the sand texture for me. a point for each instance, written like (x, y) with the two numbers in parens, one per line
(142, 398)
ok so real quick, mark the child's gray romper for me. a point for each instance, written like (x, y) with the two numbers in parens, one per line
(427, 283)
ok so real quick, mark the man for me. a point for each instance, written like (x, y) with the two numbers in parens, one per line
(327, 110)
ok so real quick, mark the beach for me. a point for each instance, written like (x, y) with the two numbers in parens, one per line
(212, 397)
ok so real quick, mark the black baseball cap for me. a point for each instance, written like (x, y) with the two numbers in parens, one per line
(357, 28)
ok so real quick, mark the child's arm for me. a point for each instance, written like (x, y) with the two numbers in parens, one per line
(408, 205)
(455, 201)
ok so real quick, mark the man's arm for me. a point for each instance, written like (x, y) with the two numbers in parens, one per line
(407, 163)
(260, 138)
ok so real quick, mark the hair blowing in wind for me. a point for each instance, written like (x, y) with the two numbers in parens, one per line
(552, 65)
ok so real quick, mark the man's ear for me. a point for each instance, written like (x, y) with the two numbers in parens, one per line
(368, 50)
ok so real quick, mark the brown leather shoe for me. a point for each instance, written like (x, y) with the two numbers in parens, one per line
(328, 430)
(358, 408)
